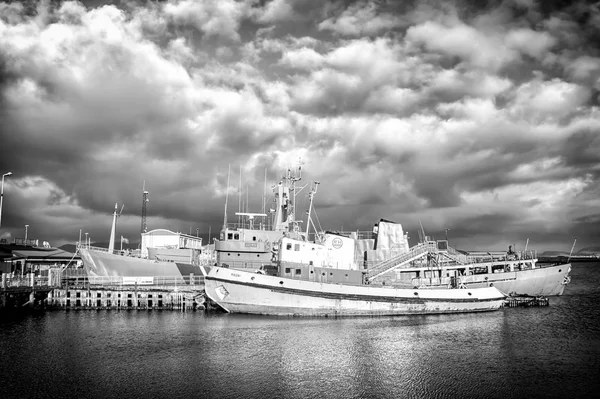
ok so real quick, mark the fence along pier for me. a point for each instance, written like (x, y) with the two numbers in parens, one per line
(60, 290)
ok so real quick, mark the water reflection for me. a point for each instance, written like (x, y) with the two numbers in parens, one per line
(513, 353)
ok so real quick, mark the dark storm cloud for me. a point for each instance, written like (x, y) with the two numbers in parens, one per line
(475, 116)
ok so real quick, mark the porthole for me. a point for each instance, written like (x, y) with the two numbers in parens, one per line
(559, 270)
(281, 282)
(416, 293)
(470, 293)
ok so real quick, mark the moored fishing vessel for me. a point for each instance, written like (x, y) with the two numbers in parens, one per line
(240, 291)
(325, 277)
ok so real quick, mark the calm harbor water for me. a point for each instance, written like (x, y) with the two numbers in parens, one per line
(550, 352)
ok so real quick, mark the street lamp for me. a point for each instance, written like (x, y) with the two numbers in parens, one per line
(86, 241)
(197, 231)
(2, 195)
(447, 230)
(26, 227)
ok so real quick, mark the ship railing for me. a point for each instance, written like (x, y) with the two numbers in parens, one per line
(500, 256)
(124, 252)
(156, 281)
(432, 281)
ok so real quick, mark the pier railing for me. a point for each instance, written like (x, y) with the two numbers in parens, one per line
(56, 279)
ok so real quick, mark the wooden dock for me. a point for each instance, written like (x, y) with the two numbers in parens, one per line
(61, 291)
(525, 301)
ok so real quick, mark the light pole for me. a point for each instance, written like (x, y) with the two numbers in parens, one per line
(2, 195)
(197, 231)
(86, 241)
(447, 230)
(26, 228)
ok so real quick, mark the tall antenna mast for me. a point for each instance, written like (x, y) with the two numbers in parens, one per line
(144, 202)
(226, 199)
(311, 195)
(240, 196)
(264, 205)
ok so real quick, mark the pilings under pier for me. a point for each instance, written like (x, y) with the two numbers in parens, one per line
(525, 301)
(168, 293)
(126, 298)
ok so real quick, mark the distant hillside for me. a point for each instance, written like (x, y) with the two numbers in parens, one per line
(547, 254)
(589, 250)
(582, 252)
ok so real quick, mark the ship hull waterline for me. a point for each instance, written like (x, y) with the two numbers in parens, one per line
(244, 292)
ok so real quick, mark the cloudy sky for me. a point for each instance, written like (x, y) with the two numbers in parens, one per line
(481, 117)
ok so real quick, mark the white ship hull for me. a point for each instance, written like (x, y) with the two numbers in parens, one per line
(546, 281)
(243, 292)
(541, 281)
(104, 264)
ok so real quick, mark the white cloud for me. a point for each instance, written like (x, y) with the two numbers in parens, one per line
(213, 17)
(530, 42)
(275, 11)
(361, 18)
(304, 58)
(477, 48)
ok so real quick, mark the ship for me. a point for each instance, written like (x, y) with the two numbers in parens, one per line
(324, 277)
(253, 241)
(162, 253)
(434, 263)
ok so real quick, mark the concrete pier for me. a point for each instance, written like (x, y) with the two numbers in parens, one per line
(61, 291)
(126, 298)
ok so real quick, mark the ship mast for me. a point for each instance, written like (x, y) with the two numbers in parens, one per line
(311, 195)
(144, 202)
(111, 243)
(226, 199)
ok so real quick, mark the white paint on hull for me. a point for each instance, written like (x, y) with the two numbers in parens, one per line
(243, 292)
(103, 264)
(546, 281)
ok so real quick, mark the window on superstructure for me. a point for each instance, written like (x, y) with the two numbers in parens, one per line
(288, 246)
(298, 271)
(236, 236)
(296, 247)
(229, 236)
(288, 270)
(253, 238)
